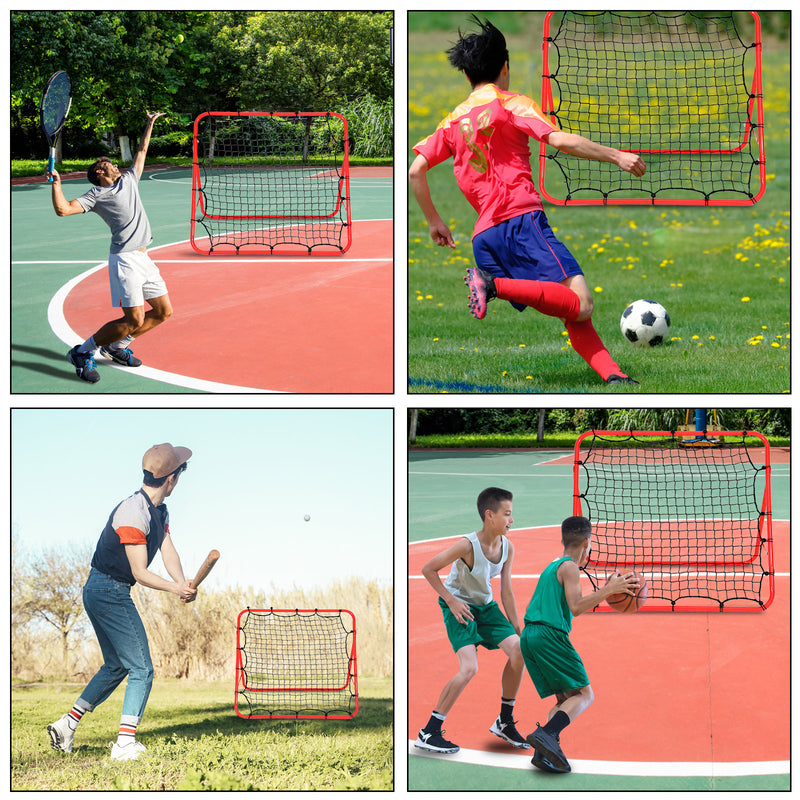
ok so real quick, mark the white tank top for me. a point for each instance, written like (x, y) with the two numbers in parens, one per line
(473, 585)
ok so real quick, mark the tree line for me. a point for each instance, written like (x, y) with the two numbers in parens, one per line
(426, 421)
(123, 63)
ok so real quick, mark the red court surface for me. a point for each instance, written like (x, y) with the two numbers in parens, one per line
(669, 687)
(311, 324)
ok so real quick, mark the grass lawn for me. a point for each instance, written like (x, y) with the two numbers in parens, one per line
(195, 741)
(721, 272)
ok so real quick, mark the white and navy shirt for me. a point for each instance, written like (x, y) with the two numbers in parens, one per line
(473, 585)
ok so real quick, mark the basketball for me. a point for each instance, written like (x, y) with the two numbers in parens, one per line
(628, 603)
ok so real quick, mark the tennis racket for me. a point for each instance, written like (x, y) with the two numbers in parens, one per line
(56, 100)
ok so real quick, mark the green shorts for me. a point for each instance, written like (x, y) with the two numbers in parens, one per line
(552, 662)
(488, 628)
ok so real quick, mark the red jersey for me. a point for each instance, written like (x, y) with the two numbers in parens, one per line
(488, 138)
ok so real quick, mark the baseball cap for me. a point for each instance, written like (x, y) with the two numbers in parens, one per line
(162, 459)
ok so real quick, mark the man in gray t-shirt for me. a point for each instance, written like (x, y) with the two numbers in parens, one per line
(134, 278)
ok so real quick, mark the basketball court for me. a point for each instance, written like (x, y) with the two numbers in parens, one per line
(684, 701)
(241, 324)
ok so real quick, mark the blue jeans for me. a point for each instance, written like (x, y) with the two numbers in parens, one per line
(123, 642)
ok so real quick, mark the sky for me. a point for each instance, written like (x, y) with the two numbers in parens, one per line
(253, 477)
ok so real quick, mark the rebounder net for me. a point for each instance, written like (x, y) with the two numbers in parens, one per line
(696, 522)
(681, 89)
(269, 183)
(296, 664)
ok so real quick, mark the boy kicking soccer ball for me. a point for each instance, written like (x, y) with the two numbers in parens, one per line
(517, 254)
(550, 659)
(473, 618)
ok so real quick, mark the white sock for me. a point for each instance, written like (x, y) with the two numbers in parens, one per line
(127, 730)
(88, 346)
(122, 343)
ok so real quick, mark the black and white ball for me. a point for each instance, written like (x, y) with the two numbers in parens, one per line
(645, 323)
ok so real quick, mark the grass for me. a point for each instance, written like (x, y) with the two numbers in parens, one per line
(722, 273)
(195, 742)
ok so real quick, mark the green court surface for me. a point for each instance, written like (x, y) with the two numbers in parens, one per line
(442, 489)
(48, 252)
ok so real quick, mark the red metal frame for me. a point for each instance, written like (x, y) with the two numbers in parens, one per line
(352, 668)
(197, 196)
(766, 510)
(756, 99)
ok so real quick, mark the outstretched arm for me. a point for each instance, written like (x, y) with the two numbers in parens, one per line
(418, 177)
(575, 145)
(141, 153)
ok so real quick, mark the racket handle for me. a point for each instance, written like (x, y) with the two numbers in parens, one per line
(51, 163)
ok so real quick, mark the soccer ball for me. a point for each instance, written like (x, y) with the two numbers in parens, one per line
(645, 323)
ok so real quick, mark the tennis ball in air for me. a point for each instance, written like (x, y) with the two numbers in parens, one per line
(179, 38)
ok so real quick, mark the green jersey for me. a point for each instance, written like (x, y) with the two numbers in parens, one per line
(548, 605)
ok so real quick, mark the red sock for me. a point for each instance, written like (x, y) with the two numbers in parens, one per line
(552, 299)
(587, 344)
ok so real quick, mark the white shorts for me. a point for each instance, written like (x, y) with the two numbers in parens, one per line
(134, 278)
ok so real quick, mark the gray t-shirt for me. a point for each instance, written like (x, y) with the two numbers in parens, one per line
(120, 207)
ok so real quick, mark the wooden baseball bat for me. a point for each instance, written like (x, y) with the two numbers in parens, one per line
(205, 568)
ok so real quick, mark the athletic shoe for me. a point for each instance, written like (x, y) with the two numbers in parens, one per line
(85, 368)
(61, 735)
(122, 356)
(126, 752)
(549, 747)
(540, 762)
(621, 379)
(509, 732)
(435, 742)
(481, 291)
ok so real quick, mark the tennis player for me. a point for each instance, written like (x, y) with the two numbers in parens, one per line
(134, 277)
(473, 618)
(550, 659)
(517, 254)
(137, 529)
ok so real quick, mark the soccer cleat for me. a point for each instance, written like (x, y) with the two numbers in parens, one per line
(85, 367)
(612, 379)
(435, 742)
(122, 356)
(61, 735)
(481, 291)
(509, 732)
(549, 748)
(127, 752)
(540, 762)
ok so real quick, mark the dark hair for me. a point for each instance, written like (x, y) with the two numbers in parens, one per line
(91, 173)
(480, 56)
(575, 531)
(150, 480)
(490, 499)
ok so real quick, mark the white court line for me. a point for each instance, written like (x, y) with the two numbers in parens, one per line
(657, 769)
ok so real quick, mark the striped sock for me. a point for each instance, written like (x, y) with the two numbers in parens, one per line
(74, 716)
(127, 733)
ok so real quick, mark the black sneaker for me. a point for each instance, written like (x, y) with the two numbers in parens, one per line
(540, 762)
(85, 368)
(122, 356)
(508, 732)
(612, 379)
(435, 742)
(481, 291)
(549, 748)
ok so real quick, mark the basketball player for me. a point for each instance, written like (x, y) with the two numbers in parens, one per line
(473, 618)
(550, 659)
(136, 530)
(134, 278)
(517, 254)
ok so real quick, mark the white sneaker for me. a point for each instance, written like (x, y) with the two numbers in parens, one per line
(126, 752)
(61, 735)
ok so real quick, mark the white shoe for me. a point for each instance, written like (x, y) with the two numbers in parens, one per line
(126, 752)
(61, 735)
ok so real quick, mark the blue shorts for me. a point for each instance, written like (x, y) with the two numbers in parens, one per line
(524, 247)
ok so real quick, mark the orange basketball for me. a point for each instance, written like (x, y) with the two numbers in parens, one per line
(628, 603)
